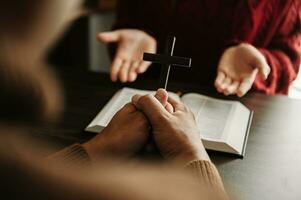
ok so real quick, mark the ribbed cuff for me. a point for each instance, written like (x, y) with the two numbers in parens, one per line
(207, 174)
(73, 156)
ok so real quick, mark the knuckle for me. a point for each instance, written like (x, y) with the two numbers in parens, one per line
(146, 98)
(122, 56)
(129, 107)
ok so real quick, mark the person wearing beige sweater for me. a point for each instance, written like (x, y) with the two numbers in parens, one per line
(104, 167)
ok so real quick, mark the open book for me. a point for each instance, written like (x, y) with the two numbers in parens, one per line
(224, 125)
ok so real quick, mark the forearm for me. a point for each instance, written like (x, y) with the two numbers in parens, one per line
(283, 53)
(72, 156)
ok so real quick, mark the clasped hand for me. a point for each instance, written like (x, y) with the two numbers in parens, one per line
(173, 126)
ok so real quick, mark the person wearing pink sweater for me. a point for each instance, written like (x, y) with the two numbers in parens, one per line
(235, 45)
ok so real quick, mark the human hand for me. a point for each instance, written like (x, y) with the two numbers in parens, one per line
(238, 69)
(124, 136)
(128, 61)
(175, 132)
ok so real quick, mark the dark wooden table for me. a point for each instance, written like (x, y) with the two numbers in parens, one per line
(271, 168)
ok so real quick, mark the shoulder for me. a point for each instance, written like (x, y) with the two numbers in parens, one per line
(291, 21)
(275, 5)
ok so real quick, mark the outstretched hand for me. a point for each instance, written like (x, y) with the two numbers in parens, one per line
(238, 69)
(128, 61)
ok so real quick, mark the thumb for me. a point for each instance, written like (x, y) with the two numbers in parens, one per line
(108, 37)
(263, 69)
(151, 107)
(162, 97)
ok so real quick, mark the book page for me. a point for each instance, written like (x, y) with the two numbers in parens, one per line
(212, 115)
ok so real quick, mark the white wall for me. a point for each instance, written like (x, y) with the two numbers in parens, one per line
(295, 90)
(99, 59)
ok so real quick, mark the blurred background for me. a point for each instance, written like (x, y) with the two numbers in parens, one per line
(79, 48)
(295, 90)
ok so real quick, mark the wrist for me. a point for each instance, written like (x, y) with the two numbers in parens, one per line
(94, 148)
(89, 148)
(197, 152)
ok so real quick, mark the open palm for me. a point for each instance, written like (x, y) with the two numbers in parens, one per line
(131, 44)
(238, 69)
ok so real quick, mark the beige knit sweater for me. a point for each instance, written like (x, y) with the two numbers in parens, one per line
(204, 172)
(69, 174)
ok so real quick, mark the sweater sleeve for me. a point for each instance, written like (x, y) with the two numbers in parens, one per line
(283, 55)
(207, 174)
(73, 156)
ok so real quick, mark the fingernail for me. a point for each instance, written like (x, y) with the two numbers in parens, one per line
(160, 94)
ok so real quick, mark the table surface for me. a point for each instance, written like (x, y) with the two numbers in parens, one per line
(271, 168)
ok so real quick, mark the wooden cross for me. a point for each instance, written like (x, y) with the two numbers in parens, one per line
(167, 60)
